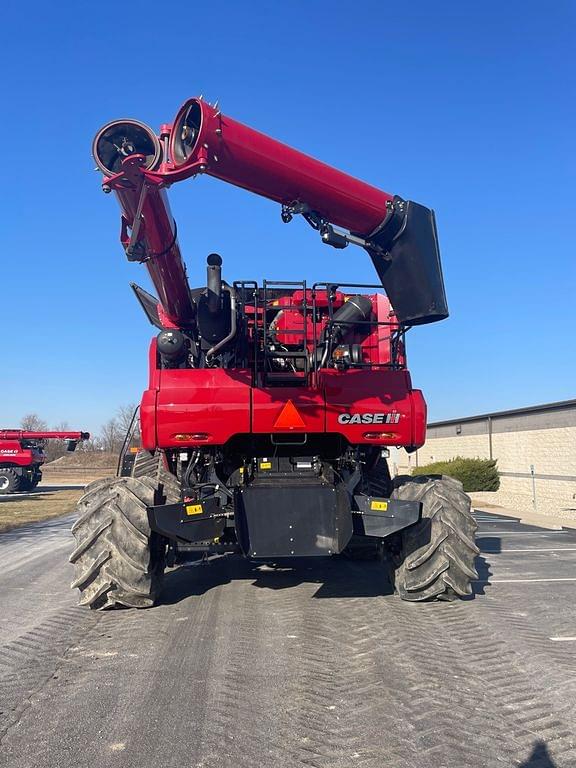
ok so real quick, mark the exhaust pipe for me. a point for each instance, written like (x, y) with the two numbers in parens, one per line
(214, 282)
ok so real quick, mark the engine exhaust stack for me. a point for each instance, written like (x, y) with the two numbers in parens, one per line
(214, 282)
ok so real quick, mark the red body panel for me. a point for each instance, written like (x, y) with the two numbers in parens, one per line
(12, 452)
(148, 434)
(385, 394)
(210, 406)
(211, 402)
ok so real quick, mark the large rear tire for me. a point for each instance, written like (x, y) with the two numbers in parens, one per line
(118, 560)
(10, 481)
(436, 558)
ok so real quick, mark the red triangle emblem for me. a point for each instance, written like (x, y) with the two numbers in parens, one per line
(289, 418)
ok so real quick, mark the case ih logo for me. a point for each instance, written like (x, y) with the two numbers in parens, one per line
(369, 418)
(6, 451)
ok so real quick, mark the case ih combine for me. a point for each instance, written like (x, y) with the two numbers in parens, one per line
(22, 455)
(270, 408)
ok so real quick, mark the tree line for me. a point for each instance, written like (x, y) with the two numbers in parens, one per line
(110, 438)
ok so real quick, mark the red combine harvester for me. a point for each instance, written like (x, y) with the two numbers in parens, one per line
(22, 455)
(271, 408)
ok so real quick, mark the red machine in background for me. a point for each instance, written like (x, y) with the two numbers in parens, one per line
(270, 408)
(22, 455)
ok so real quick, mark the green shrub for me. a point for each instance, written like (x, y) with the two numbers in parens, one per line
(474, 474)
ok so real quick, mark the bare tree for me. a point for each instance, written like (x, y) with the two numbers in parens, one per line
(33, 423)
(124, 416)
(111, 436)
(94, 444)
(54, 449)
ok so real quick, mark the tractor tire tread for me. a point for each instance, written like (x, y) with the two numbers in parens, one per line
(15, 481)
(118, 560)
(438, 552)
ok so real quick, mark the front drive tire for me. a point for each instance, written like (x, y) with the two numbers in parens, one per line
(436, 558)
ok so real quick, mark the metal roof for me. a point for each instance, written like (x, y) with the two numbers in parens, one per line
(514, 412)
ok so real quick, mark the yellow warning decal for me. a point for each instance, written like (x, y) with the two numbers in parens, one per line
(265, 465)
(381, 506)
(194, 509)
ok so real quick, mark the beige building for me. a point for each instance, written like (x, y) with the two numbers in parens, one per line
(535, 449)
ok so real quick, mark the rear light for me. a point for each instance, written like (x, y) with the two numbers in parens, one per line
(379, 435)
(192, 437)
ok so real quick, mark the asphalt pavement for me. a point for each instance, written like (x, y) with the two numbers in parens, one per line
(316, 665)
(42, 489)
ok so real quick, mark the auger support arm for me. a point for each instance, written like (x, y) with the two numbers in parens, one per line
(399, 235)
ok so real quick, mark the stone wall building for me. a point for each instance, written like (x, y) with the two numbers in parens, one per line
(535, 448)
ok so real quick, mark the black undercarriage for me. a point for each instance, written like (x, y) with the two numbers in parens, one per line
(271, 501)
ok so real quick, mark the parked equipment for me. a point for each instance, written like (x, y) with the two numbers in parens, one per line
(271, 407)
(22, 455)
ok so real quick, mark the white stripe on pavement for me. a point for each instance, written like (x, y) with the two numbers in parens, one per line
(543, 532)
(517, 581)
(534, 549)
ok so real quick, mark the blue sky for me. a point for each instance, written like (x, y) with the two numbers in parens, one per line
(466, 107)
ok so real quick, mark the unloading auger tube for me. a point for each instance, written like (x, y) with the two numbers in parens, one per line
(399, 235)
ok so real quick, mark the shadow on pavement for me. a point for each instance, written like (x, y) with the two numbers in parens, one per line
(540, 758)
(335, 577)
(488, 545)
(484, 573)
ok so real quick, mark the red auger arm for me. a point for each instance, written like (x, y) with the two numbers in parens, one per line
(24, 434)
(399, 235)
